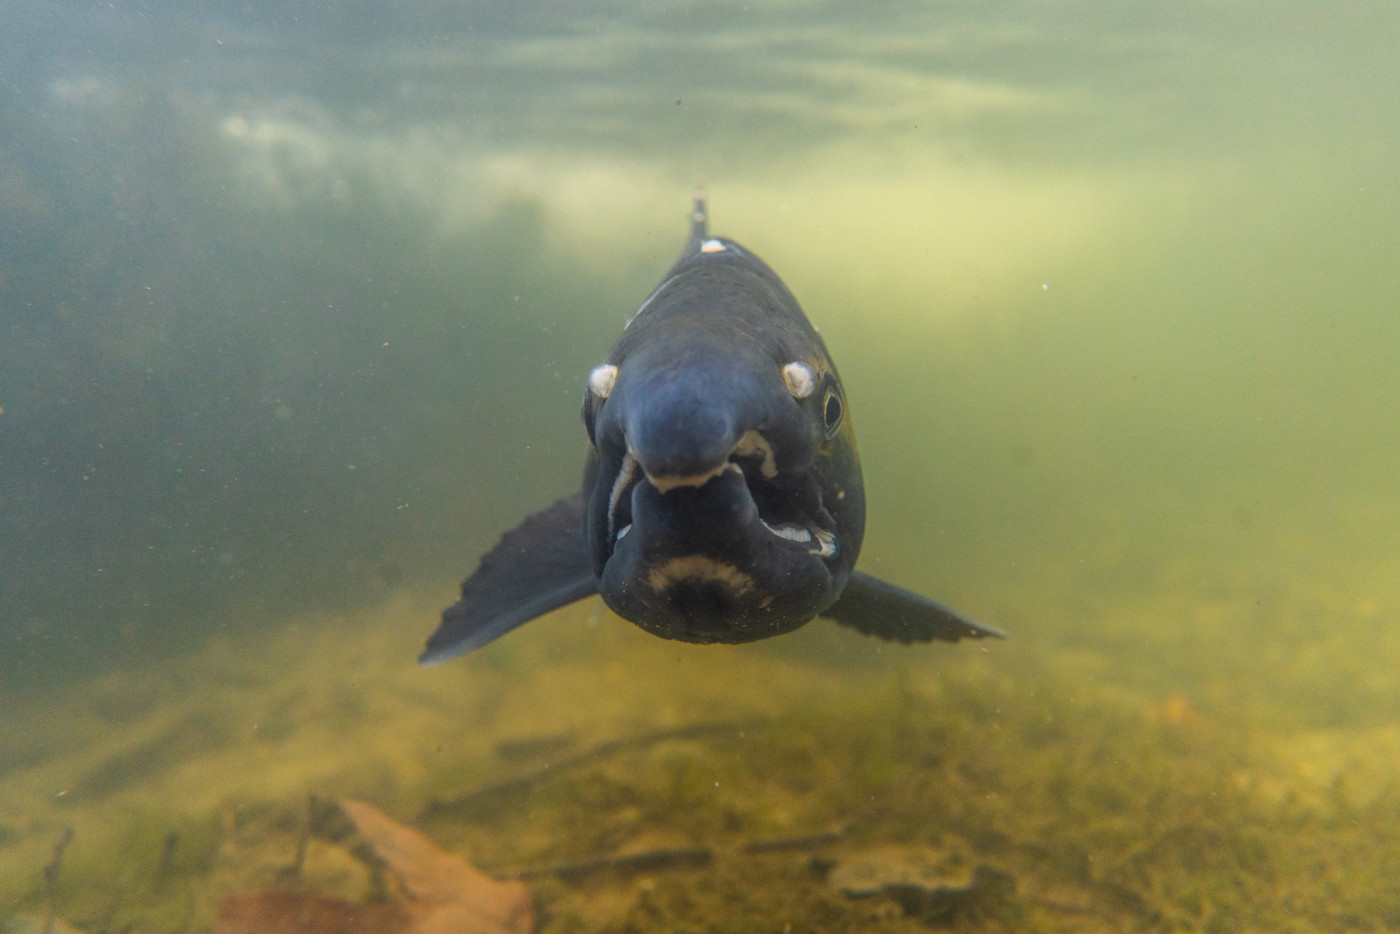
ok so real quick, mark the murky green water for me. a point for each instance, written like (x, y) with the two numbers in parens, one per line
(297, 306)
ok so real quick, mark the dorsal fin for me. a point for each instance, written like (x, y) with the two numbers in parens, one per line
(694, 246)
(699, 224)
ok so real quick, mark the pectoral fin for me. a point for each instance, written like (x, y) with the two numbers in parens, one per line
(880, 609)
(538, 566)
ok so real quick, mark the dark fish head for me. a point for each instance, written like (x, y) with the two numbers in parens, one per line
(725, 500)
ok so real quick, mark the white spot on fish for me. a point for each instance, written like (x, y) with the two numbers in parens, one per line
(713, 246)
(800, 378)
(601, 380)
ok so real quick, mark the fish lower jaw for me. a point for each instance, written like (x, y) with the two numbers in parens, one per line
(823, 542)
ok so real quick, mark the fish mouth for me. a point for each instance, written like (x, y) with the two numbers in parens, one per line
(789, 511)
(732, 556)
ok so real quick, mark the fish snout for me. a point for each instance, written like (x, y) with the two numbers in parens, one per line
(681, 445)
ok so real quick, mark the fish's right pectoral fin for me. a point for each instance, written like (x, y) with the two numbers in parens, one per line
(538, 566)
(879, 608)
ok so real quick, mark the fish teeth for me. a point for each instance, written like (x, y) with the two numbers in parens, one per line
(827, 541)
(621, 532)
(793, 533)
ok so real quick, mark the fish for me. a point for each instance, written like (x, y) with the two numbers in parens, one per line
(722, 497)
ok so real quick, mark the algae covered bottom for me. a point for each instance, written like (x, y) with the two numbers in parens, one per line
(657, 788)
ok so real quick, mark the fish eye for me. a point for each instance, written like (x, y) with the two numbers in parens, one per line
(832, 410)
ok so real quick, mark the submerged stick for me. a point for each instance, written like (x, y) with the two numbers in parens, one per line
(602, 750)
(165, 866)
(811, 841)
(674, 858)
(51, 871)
(630, 863)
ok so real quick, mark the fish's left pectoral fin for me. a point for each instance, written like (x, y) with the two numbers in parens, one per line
(881, 609)
(538, 566)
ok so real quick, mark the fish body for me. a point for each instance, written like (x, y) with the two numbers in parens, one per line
(722, 496)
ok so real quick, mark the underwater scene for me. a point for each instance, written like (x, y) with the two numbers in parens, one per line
(298, 305)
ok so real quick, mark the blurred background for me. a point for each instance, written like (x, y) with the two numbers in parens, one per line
(296, 302)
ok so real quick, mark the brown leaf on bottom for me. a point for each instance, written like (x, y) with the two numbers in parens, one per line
(296, 913)
(447, 895)
(442, 894)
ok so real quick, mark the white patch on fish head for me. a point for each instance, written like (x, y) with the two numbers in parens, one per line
(601, 380)
(800, 379)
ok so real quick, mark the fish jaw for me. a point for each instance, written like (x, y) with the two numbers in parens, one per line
(699, 564)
